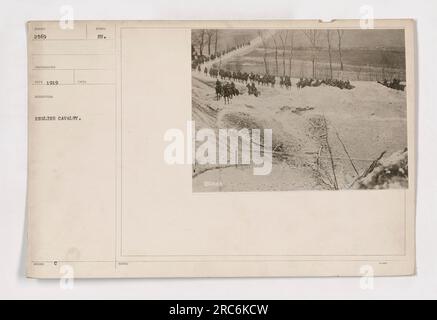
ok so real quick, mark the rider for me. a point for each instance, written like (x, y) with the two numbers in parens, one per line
(249, 88)
(254, 90)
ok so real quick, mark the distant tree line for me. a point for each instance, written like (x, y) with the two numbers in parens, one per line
(283, 39)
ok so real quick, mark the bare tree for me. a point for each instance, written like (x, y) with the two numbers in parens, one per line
(302, 69)
(360, 69)
(209, 35)
(201, 41)
(215, 44)
(340, 34)
(385, 63)
(291, 50)
(273, 36)
(283, 37)
(193, 52)
(328, 35)
(313, 36)
(260, 34)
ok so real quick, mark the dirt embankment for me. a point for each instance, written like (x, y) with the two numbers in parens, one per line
(386, 173)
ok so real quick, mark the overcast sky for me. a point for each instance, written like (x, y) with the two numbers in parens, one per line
(370, 39)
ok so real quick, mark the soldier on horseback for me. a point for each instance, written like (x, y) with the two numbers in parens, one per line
(233, 90)
(227, 92)
(218, 89)
(249, 88)
(255, 91)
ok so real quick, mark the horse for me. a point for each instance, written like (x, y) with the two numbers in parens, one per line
(218, 89)
(227, 92)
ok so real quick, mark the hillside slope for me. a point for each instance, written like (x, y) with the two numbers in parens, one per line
(358, 125)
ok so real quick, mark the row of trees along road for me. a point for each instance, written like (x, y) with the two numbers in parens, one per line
(207, 41)
(286, 38)
(206, 38)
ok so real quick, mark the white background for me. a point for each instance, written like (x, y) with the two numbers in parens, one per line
(13, 122)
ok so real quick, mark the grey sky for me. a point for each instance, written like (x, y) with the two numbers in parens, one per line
(369, 39)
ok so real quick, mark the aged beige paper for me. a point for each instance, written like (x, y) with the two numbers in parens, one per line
(129, 176)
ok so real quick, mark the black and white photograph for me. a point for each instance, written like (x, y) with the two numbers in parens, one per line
(218, 158)
(334, 101)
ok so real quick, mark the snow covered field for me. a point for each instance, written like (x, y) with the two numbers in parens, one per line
(358, 125)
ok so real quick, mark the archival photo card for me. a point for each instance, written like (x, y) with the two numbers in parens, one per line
(221, 148)
(308, 109)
